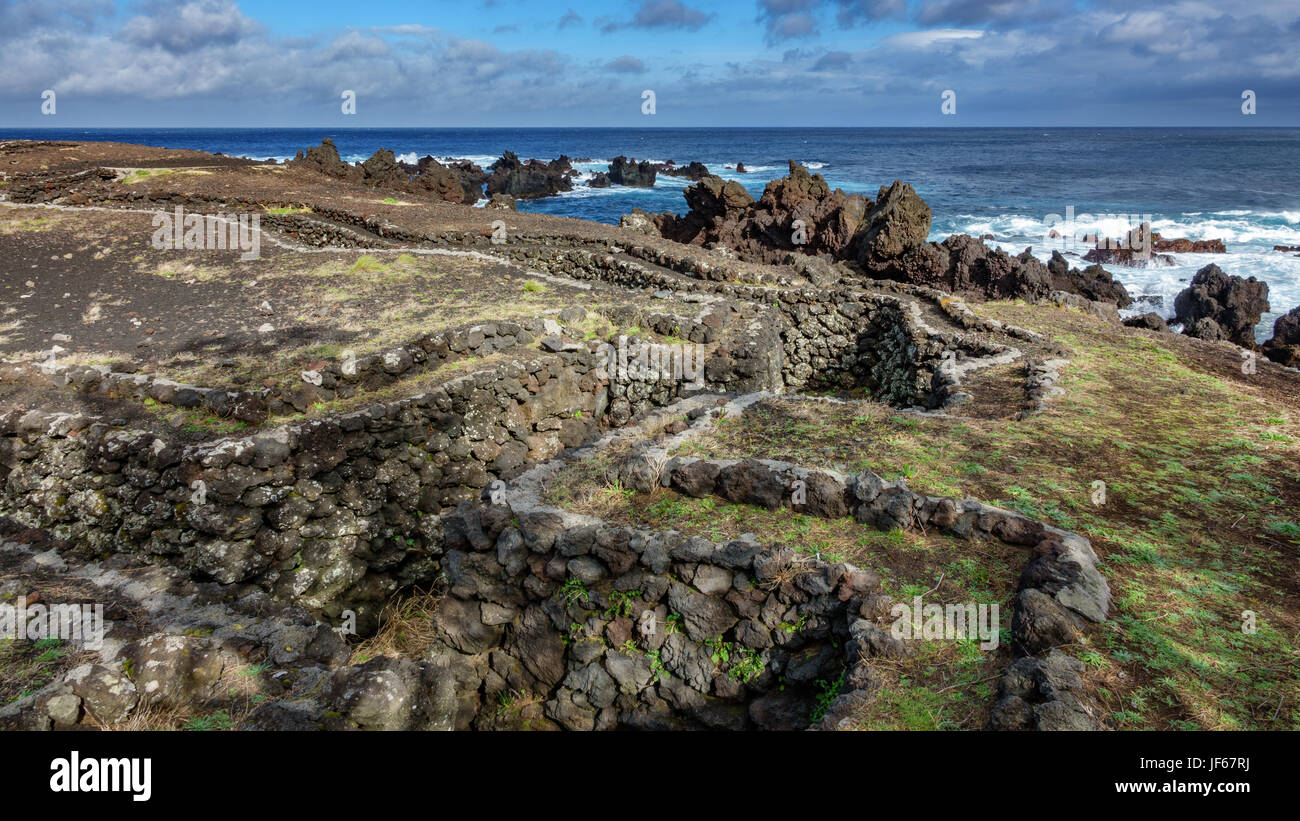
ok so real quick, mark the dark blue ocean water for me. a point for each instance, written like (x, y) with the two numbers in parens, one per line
(1241, 185)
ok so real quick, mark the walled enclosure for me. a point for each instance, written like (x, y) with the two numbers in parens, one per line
(339, 513)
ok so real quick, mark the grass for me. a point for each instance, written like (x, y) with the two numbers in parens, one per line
(953, 675)
(1197, 528)
(281, 210)
(143, 174)
(27, 666)
(406, 628)
(368, 264)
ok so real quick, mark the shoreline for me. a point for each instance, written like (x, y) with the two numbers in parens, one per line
(1013, 210)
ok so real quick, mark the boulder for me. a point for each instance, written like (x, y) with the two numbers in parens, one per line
(1284, 346)
(1043, 694)
(1188, 246)
(899, 221)
(1234, 304)
(324, 158)
(1148, 321)
(695, 171)
(529, 180)
(461, 182)
(623, 171)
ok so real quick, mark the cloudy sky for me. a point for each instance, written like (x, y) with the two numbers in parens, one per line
(709, 62)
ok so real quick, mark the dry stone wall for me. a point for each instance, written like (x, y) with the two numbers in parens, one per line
(337, 513)
(558, 620)
(841, 338)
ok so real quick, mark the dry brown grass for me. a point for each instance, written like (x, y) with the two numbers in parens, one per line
(406, 627)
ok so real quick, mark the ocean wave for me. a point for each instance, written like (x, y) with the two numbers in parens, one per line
(1253, 230)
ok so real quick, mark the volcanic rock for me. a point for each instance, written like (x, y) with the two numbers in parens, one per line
(623, 171)
(325, 159)
(1148, 321)
(1284, 346)
(1188, 246)
(529, 180)
(459, 183)
(899, 222)
(696, 171)
(1234, 304)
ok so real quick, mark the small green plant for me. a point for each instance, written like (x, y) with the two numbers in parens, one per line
(670, 623)
(506, 699)
(721, 650)
(749, 666)
(629, 648)
(216, 721)
(573, 590)
(1284, 528)
(657, 669)
(1092, 658)
(620, 603)
(533, 287)
(796, 626)
(827, 692)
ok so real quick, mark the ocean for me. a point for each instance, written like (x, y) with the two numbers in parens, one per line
(1238, 185)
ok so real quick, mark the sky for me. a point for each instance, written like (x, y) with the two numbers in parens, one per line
(524, 63)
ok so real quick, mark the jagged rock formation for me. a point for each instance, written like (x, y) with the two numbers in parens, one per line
(1217, 306)
(885, 238)
(529, 180)
(722, 212)
(1188, 246)
(964, 265)
(695, 171)
(1093, 282)
(623, 171)
(325, 159)
(1284, 346)
(459, 183)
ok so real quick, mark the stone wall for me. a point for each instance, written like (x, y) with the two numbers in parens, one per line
(330, 513)
(337, 513)
(333, 378)
(842, 338)
(558, 620)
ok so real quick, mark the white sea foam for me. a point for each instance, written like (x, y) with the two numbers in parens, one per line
(1249, 237)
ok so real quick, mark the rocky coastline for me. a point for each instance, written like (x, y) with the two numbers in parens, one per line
(531, 473)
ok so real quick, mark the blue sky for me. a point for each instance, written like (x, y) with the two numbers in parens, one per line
(578, 63)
